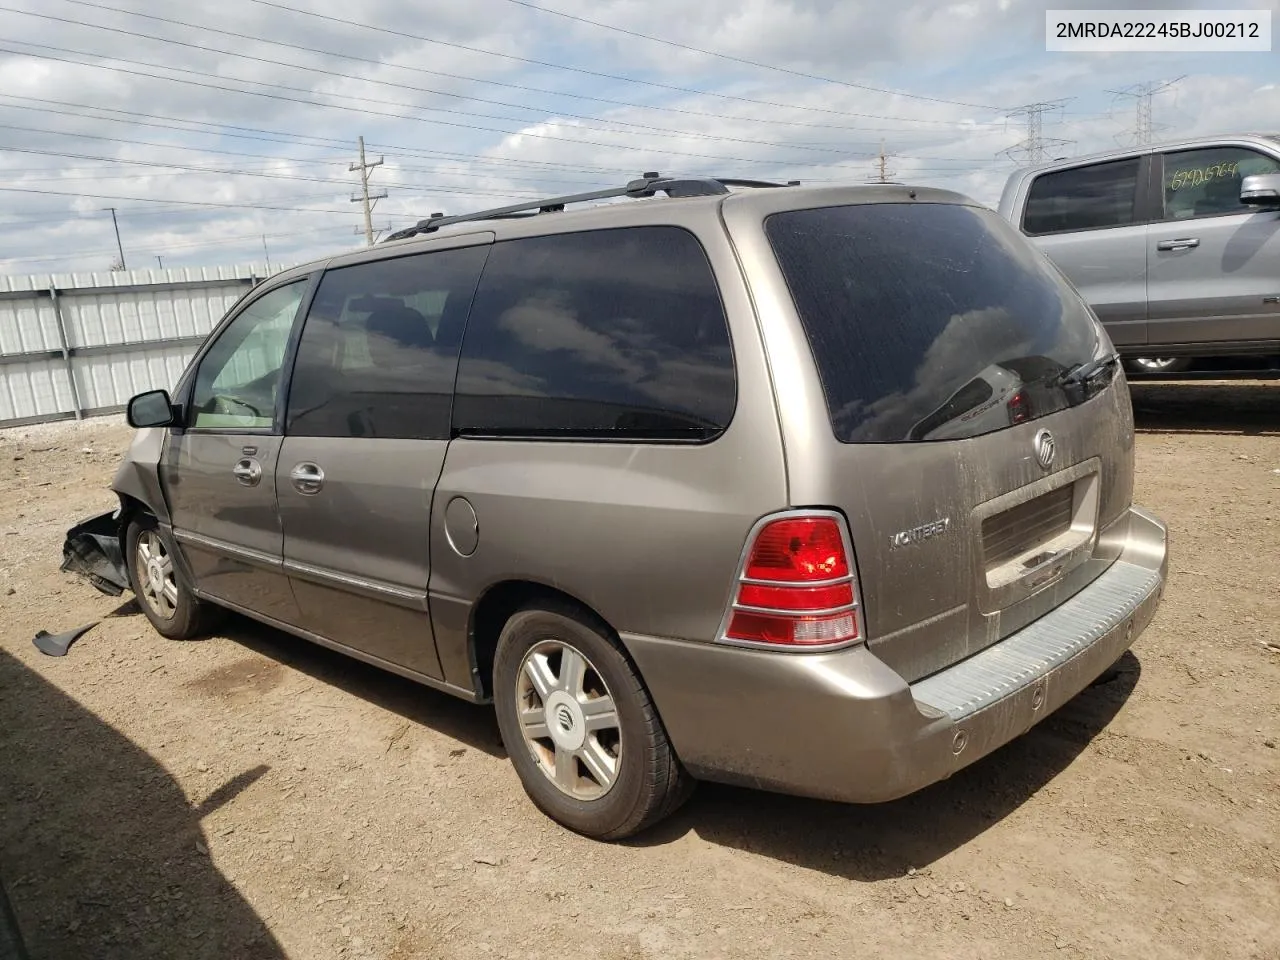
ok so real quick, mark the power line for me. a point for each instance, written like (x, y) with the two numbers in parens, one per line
(60, 215)
(166, 246)
(188, 168)
(289, 138)
(367, 112)
(205, 29)
(540, 63)
(649, 129)
(742, 60)
(184, 203)
(272, 136)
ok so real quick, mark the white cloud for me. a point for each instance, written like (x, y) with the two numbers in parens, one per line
(555, 135)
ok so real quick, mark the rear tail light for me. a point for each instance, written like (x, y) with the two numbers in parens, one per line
(1019, 408)
(797, 586)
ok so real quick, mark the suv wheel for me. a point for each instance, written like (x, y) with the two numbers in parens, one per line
(580, 728)
(1159, 364)
(158, 584)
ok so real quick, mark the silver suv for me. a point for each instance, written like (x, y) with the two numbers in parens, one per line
(1176, 247)
(824, 491)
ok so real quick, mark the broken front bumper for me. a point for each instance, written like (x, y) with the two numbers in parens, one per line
(92, 549)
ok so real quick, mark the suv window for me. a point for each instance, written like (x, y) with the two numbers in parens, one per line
(930, 321)
(379, 348)
(1084, 198)
(1206, 183)
(239, 376)
(613, 334)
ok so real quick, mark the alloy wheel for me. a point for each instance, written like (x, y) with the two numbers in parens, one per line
(155, 575)
(568, 719)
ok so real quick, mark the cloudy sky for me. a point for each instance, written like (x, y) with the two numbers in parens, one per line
(216, 130)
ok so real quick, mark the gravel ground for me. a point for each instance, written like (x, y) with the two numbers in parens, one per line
(253, 796)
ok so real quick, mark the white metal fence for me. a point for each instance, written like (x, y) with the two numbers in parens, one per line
(78, 345)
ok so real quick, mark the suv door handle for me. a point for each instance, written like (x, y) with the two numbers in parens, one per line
(248, 471)
(307, 478)
(1186, 243)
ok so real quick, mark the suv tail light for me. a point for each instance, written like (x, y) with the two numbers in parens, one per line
(796, 586)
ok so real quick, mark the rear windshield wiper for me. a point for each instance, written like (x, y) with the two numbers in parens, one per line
(1083, 372)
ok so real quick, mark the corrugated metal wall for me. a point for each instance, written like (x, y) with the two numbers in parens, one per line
(74, 345)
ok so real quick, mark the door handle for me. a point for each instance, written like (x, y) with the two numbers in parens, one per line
(1186, 243)
(248, 471)
(307, 478)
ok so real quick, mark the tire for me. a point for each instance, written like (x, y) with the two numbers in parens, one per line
(176, 614)
(608, 782)
(1159, 364)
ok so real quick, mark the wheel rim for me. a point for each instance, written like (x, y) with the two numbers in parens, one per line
(155, 575)
(569, 720)
(1156, 363)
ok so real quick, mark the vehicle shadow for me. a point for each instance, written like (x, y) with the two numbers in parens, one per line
(98, 844)
(868, 843)
(1249, 408)
(470, 724)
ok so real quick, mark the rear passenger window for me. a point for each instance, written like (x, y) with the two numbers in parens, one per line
(610, 334)
(1085, 198)
(379, 349)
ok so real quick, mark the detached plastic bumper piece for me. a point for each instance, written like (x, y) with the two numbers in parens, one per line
(92, 550)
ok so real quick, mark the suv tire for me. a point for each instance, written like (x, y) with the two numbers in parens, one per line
(580, 728)
(158, 583)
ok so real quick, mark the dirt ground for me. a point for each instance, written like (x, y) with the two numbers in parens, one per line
(253, 796)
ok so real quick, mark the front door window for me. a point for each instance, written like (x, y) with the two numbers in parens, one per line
(239, 378)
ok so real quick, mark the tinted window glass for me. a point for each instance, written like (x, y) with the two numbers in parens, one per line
(931, 321)
(379, 348)
(238, 378)
(1206, 183)
(609, 333)
(1082, 199)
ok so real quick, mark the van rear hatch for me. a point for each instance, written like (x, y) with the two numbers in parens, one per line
(979, 434)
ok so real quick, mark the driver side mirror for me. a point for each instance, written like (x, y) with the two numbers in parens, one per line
(1261, 190)
(151, 409)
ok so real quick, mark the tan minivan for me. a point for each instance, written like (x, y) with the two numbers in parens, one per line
(818, 490)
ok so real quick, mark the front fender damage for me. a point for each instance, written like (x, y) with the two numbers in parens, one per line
(92, 549)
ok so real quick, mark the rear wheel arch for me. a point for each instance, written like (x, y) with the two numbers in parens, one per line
(500, 602)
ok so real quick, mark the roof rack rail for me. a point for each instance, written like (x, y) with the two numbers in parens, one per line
(648, 185)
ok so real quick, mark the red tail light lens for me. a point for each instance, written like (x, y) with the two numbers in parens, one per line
(795, 598)
(800, 550)
(797, 587)
(1019, 408)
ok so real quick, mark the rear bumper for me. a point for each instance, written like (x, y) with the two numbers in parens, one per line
(844, 726)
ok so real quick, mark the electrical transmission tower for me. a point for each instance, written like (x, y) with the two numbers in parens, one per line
(1143, 95)
(883, 173)
(369, 200)
(1034, 148)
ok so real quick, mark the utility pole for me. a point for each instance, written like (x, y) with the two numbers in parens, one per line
(266, 253)
(368, 200)
(160, 261)
(119, 247)
(1143, 95)
(1034, 147)
(883, 173)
